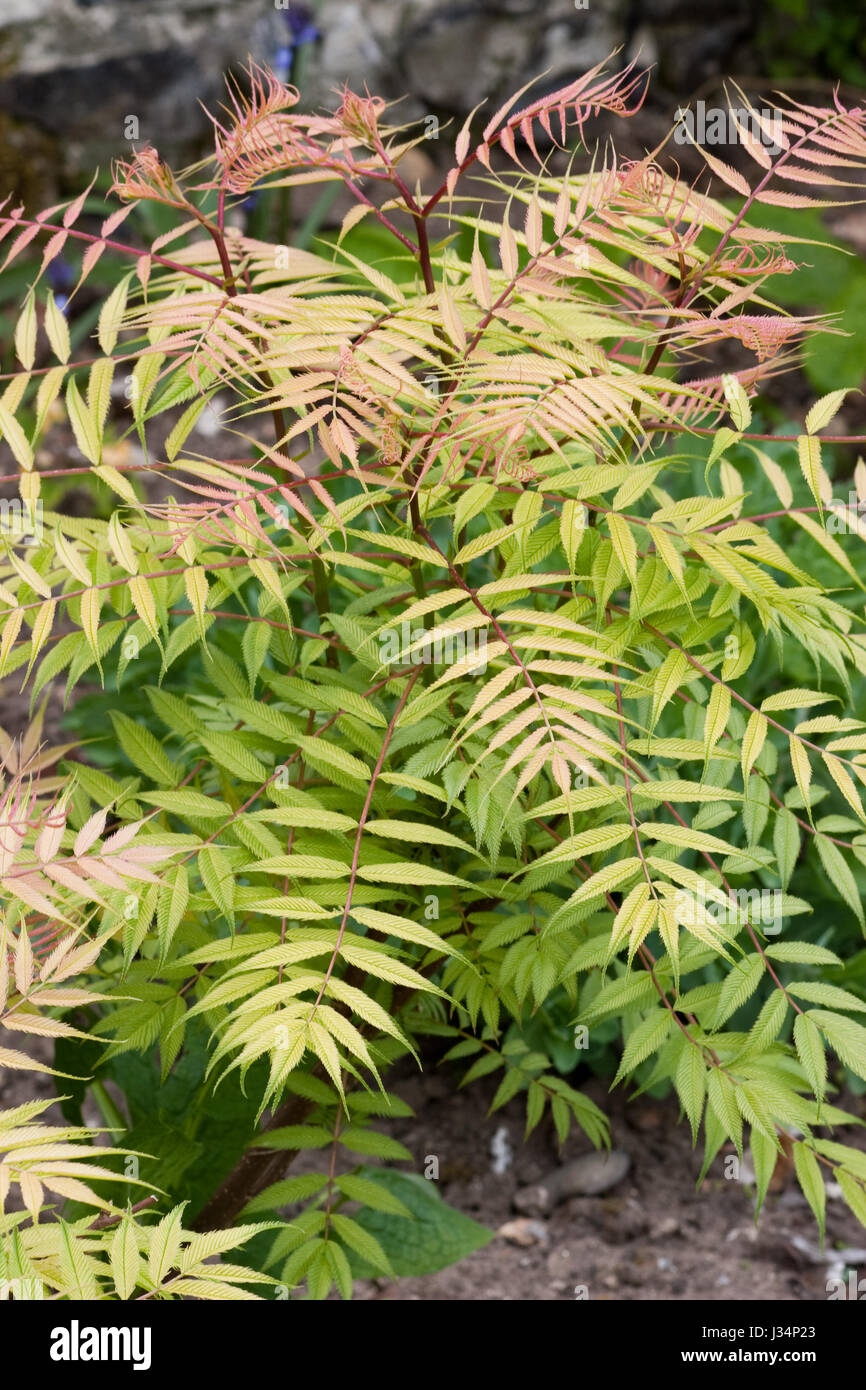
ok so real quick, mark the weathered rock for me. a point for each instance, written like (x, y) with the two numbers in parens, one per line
(593, 1173)
(455, 60)
(74, 72)
(79, 69)
(693, 54)
(583, 1177)
(525, 1232)
(535, 1200)
(666, 1228)
(815, 1255)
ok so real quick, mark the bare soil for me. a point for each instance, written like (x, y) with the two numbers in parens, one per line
(652, 1237)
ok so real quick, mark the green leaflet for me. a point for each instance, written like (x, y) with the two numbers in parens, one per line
(144, 751)
(231, 754)
(838, 871)
(739, 985)
(190, 803)
(810, 1050)
(847, 1039)
(786, 843)
(435, 1236)
(218, 879)
(646, 1039)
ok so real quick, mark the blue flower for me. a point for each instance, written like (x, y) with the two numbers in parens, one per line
(283, 61)
(301, 23)
(302, 29)
(61, 276)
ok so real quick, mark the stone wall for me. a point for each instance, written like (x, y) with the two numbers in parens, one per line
(72, 72)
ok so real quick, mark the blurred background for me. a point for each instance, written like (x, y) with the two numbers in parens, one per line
(82, 81)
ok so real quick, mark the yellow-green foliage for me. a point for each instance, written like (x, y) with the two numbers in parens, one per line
(448, 673)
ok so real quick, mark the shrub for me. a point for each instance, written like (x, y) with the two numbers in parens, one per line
(417, 712)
